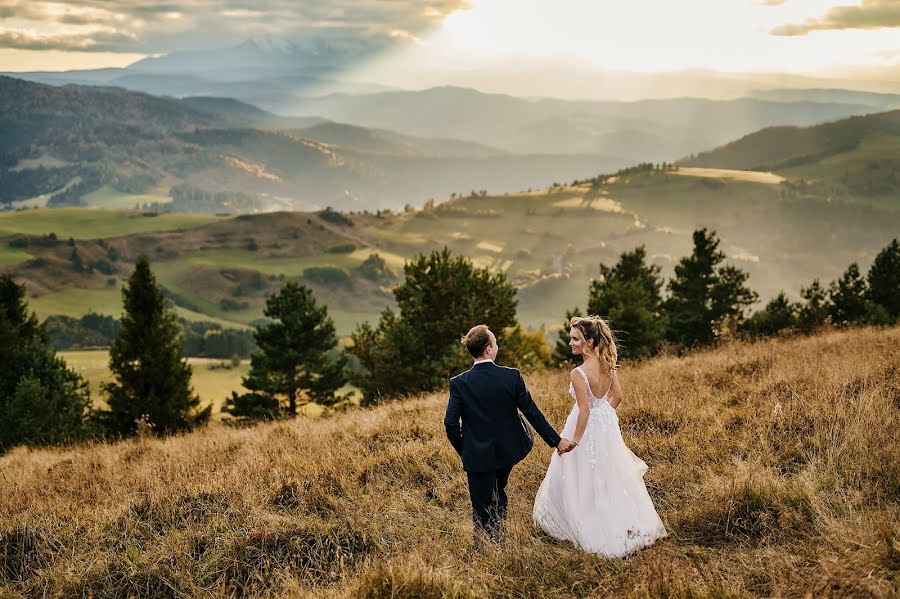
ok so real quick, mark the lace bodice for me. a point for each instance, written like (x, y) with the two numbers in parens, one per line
(595, 402)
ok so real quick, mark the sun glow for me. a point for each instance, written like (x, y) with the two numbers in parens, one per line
(653, 36)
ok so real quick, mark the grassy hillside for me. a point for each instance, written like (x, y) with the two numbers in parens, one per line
(773, 467)
(96, 224)
(855, 160)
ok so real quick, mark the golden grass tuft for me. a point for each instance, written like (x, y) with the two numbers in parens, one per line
(773, 465)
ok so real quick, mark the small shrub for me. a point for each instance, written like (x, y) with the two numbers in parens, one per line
(334, 217)
(327, 275)
(229, 305)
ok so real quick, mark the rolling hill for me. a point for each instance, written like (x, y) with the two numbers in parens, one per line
(647, 130)
(219, 156)
(832, 200)
(549, 243)
(852, 160)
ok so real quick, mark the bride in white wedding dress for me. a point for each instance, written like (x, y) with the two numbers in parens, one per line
(594, 495)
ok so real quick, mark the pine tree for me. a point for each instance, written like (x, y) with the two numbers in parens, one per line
(386, 369)
(848, 297)
(441, 298)
(884, 280)
(704, 295)
(292, 364)
(628, 296)
(152, 376)
(41, 400)
(814, 310)
(779, 315)
(562, 353)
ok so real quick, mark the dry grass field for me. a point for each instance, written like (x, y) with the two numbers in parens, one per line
(773, 465)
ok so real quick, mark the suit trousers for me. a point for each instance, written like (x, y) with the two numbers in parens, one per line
(487, 490)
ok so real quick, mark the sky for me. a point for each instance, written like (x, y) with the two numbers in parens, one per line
(405, 38)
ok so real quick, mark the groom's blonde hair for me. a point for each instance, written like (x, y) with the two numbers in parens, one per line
(477, 340)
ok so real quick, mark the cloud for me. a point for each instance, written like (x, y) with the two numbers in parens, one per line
(95, 41)
(870, 14)
(152, 27)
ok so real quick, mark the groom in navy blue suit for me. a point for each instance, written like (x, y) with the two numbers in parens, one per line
(492, 438)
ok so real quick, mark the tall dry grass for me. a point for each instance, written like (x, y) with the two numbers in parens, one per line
(774, 466)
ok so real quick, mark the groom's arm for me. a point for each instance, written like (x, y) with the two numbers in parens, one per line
(451, 420)
(527, 406)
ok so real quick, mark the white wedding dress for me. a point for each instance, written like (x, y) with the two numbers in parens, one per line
(594, 496)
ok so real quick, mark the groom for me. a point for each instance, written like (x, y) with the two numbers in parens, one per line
(492, 438)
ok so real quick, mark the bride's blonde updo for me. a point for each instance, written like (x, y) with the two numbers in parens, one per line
(595, 328)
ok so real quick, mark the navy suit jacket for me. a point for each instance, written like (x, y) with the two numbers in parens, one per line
(486, 399)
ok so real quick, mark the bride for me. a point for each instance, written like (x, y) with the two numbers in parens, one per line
(594, 496)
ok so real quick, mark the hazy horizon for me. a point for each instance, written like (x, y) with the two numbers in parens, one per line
(565, 49)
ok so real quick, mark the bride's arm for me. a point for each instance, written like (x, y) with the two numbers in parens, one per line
(615, 391)
(584, 404)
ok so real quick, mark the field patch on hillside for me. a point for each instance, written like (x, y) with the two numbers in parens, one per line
(83, 223)
(111, 199)
(722, 173)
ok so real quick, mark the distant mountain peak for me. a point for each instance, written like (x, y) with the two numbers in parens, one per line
(270, 44)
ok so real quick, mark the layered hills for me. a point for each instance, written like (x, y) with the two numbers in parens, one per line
(68, 142)
(548, 242)
(823, 197)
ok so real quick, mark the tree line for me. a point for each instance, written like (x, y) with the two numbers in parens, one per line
(297, 359)
(707, 300)
(202, 339)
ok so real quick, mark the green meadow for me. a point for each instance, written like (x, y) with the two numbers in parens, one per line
(213, 380)
(76, 302)
(88, 223)
(10, 256)
(109, 199)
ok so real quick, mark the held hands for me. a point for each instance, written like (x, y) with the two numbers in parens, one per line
(565, 446)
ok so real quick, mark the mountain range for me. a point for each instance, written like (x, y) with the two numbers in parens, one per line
(822, 197)
(317, 79)
(352, 151)
(71, 141)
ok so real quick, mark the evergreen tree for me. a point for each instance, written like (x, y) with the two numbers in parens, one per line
(704, 295)
(814, 310)
(848, 297)
(628, 296)
(152, 376)
(386, 369)
(441, 298)
(41, 400)
(248, 407)
(562, 353)
(884, 280)
(779, 314)
(292, 364)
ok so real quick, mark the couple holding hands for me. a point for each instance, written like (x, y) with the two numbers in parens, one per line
(593, 494)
